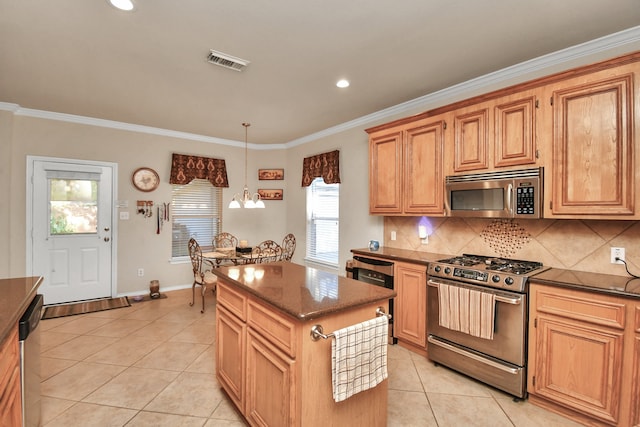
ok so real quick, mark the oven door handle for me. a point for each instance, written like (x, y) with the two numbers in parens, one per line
(499, 298)
(432, 340)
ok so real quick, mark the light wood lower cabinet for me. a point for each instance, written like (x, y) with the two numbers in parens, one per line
(10, 395)
(582, 360)
(276, 375)
(410, 310)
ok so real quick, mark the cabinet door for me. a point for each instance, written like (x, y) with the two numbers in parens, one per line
(423, 176)
(410, 311)
(593, 147)
(471, 139)
(230, 354)
(385, 173)
(271, 384)
(514, 131)
(579, 366)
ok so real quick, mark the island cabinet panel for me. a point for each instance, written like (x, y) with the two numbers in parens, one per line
(406, 168)
(411, 304)
(583, 356)
(10, 394)
(273, 371)
(593, 172)
(230, 351)
(270, 384)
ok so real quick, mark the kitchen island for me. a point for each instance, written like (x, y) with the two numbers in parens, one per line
(266, 360)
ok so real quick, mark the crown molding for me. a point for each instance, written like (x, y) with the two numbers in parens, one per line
(626, 41)
(621, 42)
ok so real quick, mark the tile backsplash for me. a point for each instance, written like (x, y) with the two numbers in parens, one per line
(582, 245)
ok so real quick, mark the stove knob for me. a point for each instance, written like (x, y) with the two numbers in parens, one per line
(495, 278)
(437, 269)
(508, 281)
(447, 270)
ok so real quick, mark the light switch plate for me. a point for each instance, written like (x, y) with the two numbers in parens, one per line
(124, 215)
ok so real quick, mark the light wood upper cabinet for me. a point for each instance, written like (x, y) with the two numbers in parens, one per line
(514, 132)
(385, 172)
(423, 178)
(406, 169)
(496, 133)
(593, 162)
(410, 311)
(471, 149)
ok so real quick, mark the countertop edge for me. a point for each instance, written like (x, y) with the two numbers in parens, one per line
(308, 315)
(10, 321)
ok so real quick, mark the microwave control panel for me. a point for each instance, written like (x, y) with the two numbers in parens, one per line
(525, 200)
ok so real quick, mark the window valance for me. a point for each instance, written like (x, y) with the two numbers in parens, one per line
(325, 165)
(185, 168)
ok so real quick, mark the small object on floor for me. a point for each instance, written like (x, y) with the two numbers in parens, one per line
(147, 297)
(84, 307)
(137, 298)
(154, 289)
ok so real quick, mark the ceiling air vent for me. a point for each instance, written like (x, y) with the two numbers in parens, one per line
(227, 61)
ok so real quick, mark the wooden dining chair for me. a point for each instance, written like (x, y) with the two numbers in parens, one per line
(200, 278)
(225, 240)
(288, 247)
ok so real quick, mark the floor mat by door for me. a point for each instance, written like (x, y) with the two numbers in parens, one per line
(84, 307)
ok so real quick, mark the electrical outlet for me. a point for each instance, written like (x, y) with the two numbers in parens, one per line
(393, 235)
(140, 272)
(617, 253)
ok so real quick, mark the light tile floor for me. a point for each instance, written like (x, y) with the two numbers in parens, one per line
(152, 364)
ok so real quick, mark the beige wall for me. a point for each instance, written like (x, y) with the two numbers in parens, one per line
(138, 244)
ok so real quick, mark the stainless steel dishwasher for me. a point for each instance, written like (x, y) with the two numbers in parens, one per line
(29, 336)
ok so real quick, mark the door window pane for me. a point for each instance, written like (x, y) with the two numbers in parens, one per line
(73, 206)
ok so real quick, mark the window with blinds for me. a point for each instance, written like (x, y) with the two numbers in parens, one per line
(323, 219)
(196, 211)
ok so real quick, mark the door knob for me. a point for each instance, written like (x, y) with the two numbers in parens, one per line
(106, 239)
(106, 229)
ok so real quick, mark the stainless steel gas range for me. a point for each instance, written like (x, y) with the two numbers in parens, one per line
(477, 318)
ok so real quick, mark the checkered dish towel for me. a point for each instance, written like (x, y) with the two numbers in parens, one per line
(359, 357)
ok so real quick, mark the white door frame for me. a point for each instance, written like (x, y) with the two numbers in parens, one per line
(114, 223)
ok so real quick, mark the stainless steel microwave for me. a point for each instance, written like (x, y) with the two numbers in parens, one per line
(504, 194)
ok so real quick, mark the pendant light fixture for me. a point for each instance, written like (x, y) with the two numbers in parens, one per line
(246, 200)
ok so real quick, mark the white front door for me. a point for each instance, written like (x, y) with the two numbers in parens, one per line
(72, 229)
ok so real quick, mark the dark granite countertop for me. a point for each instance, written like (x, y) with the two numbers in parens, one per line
(406, 255)
(17, 293)
(595, 282)
(302, 292)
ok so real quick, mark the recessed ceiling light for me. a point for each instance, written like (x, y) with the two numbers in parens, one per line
(342, 83)
(122, 4)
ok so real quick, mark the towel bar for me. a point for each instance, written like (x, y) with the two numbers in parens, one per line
(317, 332)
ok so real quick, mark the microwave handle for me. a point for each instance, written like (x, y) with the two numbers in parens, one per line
(510, 199)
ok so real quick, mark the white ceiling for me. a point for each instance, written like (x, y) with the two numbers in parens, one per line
(149, 67)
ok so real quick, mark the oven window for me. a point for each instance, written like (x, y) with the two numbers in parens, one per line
(484, 199)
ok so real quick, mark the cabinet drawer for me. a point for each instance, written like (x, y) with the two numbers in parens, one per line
(276, 328)
(590, 308)
(232, 300)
